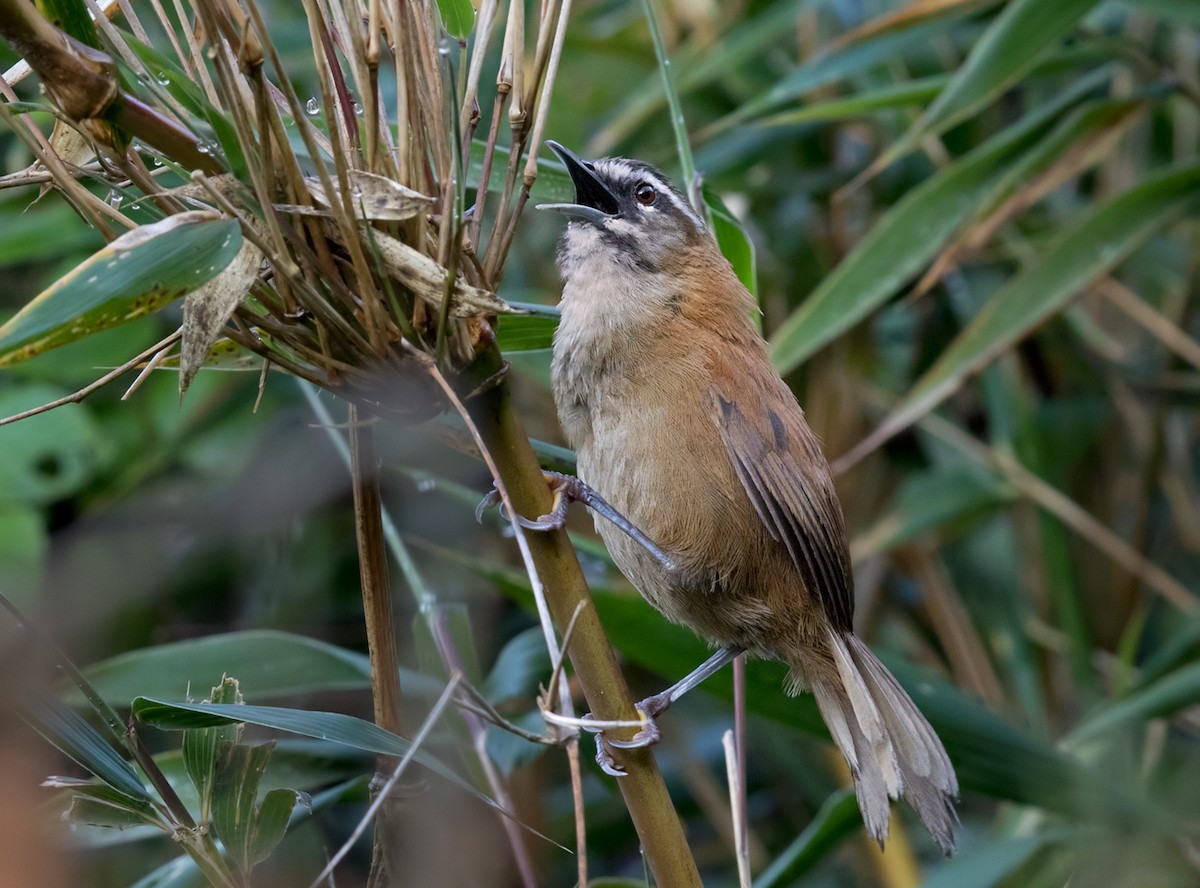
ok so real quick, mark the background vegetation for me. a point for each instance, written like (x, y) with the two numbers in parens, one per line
(971, 226)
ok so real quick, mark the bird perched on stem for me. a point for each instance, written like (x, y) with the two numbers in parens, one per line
(665, 390)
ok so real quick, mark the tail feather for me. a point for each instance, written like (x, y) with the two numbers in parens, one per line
(891, 749)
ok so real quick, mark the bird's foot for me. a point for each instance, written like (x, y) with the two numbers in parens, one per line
(563, 487)
(568, 489)
(647, 735)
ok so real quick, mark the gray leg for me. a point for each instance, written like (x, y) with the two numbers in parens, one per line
(568, 488)
(652, 707)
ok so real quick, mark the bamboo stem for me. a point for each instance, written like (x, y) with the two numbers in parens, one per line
(654, 817)
(381, 640)
(83, 83)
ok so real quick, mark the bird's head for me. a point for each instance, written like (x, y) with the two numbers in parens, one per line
(627, 212)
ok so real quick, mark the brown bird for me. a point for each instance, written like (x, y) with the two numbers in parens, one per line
(665, 390)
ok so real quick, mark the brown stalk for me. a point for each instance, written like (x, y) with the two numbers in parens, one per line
(377, 612)
(485, 173)
(198, 67)
(581, 859)
(546, 30)
(383, 164)
(1158, 325)
(483, 36)
(169, 30)
(336, 96)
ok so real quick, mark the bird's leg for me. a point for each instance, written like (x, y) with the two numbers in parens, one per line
(568, 489)
(654, 706)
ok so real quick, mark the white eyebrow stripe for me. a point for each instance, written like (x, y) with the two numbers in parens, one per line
(685, 208)
(619, 169)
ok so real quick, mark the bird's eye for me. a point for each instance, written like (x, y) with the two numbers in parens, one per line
(645, 194)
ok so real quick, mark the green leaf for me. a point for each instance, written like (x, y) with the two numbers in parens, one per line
(138, 273)
(553, 183)
(860, 104)
(1180, 646)
(271, 822)
(735, 245)
(458, 17)
(837, 817)
(84, 745)
(24, 545)
(518, 332)
(208, 122)
(1164, 697)
(203, 749)
(332, 726)
(1012, 44)
(836, 65)
(71, 17)
(1090, 248)
(181, 872)
(988, 865)
(100, 805)
(523, 663)
(235, 793)
(46, 231)
(509, 751)
(275, 664)
(929, 500)
(908, 236)
(701, 62)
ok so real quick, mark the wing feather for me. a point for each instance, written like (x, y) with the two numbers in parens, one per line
(779, 463)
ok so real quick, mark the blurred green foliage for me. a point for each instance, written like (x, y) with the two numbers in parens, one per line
(1026, 528)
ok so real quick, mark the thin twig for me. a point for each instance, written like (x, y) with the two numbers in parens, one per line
(581, 859)
(737, 790)
(151, 366)
(556, 672)
(78, 396)
(740, 804)
(386, 789)
(427, 604)
(539, 592)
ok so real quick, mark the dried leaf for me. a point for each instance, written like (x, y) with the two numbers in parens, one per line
(376, 198)
(70, 144)
(427, 280)
(206, 310)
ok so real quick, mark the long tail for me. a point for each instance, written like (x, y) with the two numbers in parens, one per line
(891, 749)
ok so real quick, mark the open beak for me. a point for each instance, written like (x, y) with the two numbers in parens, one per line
(593, 201)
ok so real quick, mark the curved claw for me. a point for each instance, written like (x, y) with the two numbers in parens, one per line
(491, 500)
(605, 760)
(647, 736)
(552, 520)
